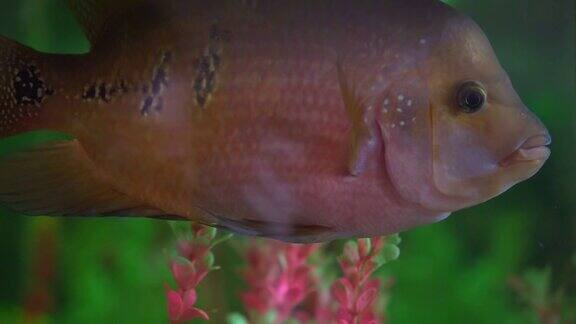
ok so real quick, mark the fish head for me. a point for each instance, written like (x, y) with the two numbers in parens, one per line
(472, 137)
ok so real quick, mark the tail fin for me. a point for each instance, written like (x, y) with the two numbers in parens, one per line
(24, 89)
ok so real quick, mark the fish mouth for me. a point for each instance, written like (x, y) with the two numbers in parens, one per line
(534, 149)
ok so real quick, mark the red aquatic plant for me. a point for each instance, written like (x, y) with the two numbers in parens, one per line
(279, 279)
(285, 285)
(284, 282)
(194, 262)
(356, 292)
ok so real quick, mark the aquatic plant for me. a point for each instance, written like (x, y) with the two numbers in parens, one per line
(356, 292)
(193, 264)
(549, 305)
(284, 281)
(39, 298)
(279, 279)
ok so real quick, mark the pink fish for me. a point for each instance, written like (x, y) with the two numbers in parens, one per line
(297, 120)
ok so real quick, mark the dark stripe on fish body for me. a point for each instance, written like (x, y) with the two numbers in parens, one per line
(153, 100)
(208, 65)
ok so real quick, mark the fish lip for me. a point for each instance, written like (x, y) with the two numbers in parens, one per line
(536, 141)
(533, 149)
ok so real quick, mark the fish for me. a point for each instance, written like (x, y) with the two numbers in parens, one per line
(301, 121)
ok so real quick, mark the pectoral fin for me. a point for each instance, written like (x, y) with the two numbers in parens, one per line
(363, 134)
(58, 179)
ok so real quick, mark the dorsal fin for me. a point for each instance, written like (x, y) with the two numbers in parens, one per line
(97, 16)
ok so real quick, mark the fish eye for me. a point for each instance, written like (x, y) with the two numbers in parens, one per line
(471, 97)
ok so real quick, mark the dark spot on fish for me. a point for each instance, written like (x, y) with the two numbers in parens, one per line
(153, 92)
(146, 106)
(215, 58)
(204, 65)
(103, 92)
(159, 80)
(124, 86)
(90, 93)
(201, 86)
(113, 90)
(205, 82)
(29, 88)
(209, 64)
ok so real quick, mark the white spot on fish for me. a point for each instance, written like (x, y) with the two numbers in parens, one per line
(385, 110)
(401, 97)
(423, 41)
(409, 103)
(393, 125)
(402, 123)
(399, 110)
(413, 119)
(386, 102)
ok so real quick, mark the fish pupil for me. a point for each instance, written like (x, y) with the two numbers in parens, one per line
(471, 97)
(474, 100)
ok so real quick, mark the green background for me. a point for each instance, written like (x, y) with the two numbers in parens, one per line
(458, 270)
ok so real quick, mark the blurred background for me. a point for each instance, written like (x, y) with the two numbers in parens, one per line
(501, 262)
